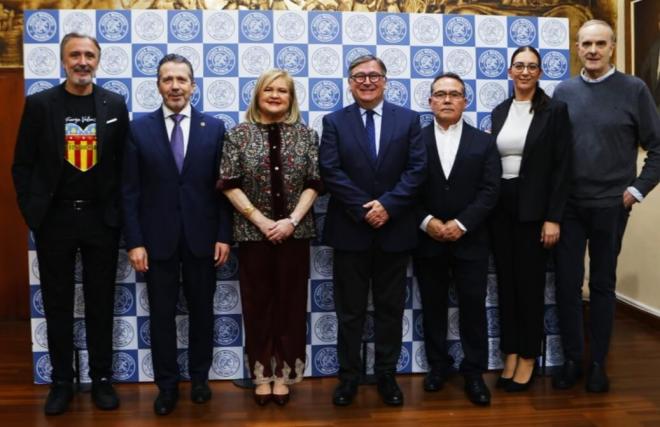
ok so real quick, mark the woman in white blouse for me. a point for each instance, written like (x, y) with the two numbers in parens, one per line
(533, 138)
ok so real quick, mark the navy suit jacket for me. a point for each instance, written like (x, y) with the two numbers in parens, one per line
(353, 178)
(468, 194)
(159, 203)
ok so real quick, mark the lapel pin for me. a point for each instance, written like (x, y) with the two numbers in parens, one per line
(202, 124)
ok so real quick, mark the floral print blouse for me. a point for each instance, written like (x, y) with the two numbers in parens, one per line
(272, 164)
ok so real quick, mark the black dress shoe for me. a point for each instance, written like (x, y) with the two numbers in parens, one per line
(434, 381)
(166, 401)
(502, 382)
(58, 399)
(262, 399)
(477, 391)
(280, 399)
(597, 381)
(568, 375)
(389, 390)
(200, 392)
(514, 387)
(345, 392)
(104, 395)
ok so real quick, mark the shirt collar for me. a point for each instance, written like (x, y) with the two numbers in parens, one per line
(588, 79)
(455, 128)
(378, 109)
(185, 112)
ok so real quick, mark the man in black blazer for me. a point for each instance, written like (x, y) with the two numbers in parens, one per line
(176, 225)
(461, 189)
(372, 163)
(66, 176)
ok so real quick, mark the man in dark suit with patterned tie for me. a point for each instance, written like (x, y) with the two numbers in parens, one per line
(460, 191)
(372, 163)
(176, 225)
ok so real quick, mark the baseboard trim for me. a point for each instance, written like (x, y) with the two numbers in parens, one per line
(639, 311)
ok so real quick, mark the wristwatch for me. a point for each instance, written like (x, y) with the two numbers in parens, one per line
(294, 221)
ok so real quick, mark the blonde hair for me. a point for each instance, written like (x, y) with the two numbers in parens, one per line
(253, 114)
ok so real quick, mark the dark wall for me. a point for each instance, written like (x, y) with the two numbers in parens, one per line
(14, 291)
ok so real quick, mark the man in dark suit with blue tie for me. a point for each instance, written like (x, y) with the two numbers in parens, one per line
(372, 163)
(461, 189)
(176, 225)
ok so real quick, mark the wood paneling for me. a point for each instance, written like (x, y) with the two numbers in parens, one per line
(634, 399)
(14, 292)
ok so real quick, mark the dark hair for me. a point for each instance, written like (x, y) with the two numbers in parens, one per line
(448, 75)
(367, 58)
(540, 99)
(179, 59)
(75, 35)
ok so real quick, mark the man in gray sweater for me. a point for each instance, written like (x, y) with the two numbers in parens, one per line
(612, 114)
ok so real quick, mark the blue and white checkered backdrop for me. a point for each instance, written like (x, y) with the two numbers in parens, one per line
(228, 50)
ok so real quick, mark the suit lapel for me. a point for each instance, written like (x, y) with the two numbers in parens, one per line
(354, 121)
(194, 137)
(101, 110)
(536, 127)
(432, 150)
(162, 139)
(499, 116)
(463, 148)
(387, 127)
(58, 122)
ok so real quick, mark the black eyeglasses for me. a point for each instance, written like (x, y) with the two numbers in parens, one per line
(453, 95)
(520, 66)
(373, 77)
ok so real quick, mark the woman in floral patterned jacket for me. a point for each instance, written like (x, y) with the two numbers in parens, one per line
(269, 172)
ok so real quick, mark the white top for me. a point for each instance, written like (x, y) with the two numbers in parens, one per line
(446, 142)
(511, 139)
(378, 120)
(184, 123)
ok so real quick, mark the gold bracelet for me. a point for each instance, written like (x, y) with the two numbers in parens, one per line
(247, 211)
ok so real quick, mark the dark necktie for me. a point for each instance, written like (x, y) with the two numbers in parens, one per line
(371, 134)
(176, 139)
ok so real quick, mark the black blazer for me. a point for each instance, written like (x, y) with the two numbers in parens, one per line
(468, 194)
(544, 177)
(39, 153)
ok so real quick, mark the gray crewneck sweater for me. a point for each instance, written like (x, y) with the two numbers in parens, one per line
(610, 119)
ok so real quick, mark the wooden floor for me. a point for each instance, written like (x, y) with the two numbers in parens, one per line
(634, 368)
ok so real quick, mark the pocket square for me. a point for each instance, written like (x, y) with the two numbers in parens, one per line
(111, 121)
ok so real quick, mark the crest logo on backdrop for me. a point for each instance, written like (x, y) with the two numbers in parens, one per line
(228, 50)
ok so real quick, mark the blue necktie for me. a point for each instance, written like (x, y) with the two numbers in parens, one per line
(371, 134)
(176, 139)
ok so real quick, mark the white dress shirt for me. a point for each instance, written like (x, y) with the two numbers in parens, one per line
(446, 142)
(378, 120)
(185, 124)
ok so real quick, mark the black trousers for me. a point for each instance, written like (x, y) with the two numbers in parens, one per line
(354, 273)
(434, 275)
(603, 229)
(65, 231)
(163, 281)
(521, 262)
